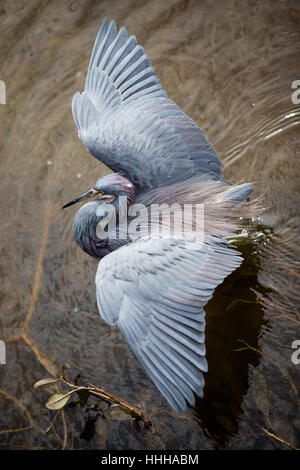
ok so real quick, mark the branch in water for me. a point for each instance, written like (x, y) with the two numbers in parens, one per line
(59, 399)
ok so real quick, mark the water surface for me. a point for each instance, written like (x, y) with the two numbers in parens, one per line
(230, 66)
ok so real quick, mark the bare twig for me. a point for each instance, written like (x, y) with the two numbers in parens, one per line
(39, 267)
(65, 430)
(282, 441)
(52, 423)
(107, 397)
(247, 346)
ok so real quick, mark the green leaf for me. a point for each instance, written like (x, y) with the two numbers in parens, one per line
(117, 412)
(58, 400)
(45, 382)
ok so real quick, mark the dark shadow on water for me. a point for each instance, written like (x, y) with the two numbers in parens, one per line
(232, 314)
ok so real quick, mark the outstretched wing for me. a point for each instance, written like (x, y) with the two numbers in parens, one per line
(125, 119)
(155, 290)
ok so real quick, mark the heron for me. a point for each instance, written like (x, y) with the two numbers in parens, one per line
(153, 288)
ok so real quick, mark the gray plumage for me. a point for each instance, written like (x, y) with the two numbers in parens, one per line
(153, 288)
(126, 120)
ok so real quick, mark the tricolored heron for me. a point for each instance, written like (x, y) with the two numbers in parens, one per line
(153, 288)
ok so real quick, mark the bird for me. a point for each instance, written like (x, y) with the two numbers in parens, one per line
(154, 288)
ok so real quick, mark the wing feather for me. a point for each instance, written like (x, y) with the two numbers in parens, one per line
(125, 119)
(159, 308)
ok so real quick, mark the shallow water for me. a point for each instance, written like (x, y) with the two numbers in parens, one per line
(230, 65)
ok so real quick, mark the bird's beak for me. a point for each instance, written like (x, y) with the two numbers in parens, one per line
(92, 192)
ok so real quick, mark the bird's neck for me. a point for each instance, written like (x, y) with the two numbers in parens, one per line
(96, 226)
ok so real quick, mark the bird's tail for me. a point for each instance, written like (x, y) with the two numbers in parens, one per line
(224, 207)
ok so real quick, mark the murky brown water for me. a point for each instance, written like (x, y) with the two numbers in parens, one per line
(229, 65)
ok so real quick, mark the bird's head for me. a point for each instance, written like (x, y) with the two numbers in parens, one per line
(107, 189)
(107, 200)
